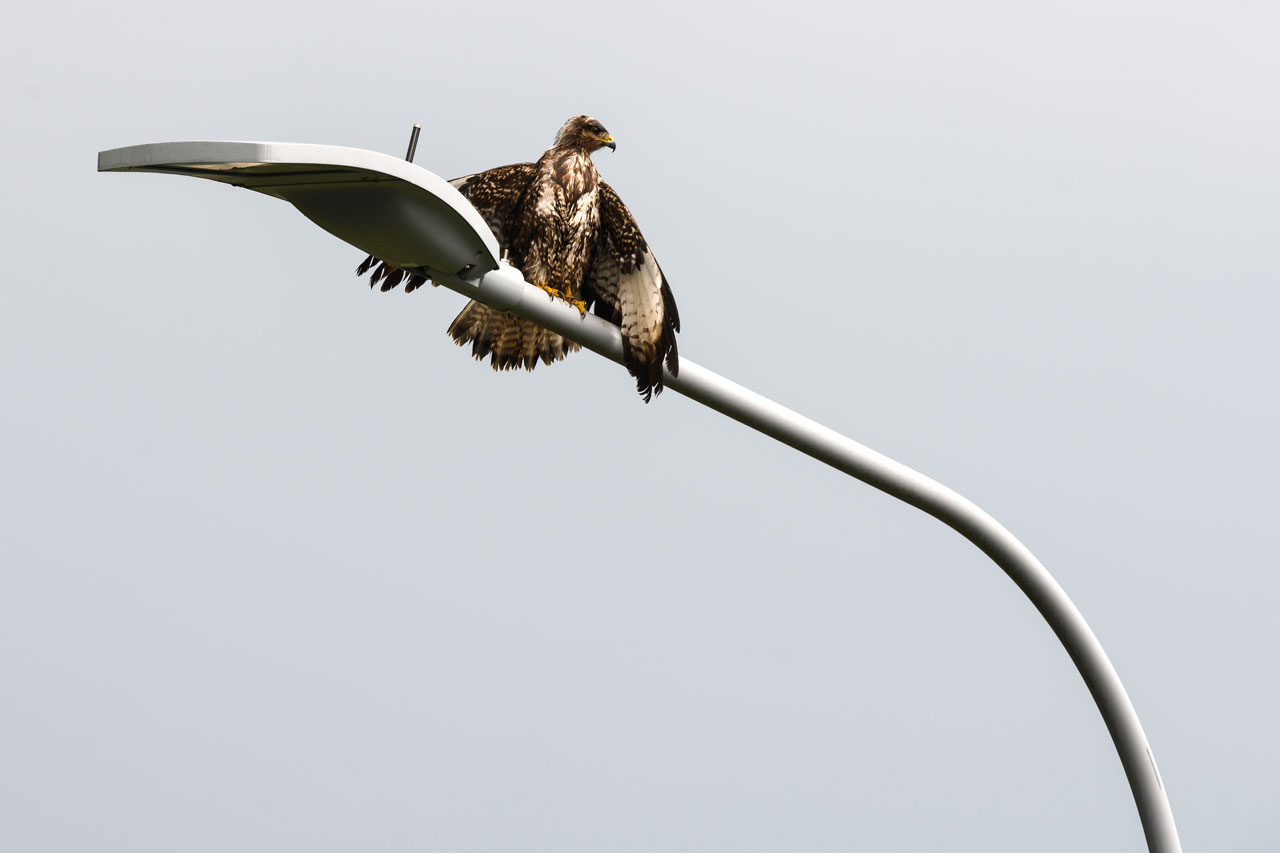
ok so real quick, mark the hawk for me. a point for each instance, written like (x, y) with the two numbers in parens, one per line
(570, 234)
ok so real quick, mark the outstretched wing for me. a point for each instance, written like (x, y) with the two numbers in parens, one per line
(494, 193)
(627, 287)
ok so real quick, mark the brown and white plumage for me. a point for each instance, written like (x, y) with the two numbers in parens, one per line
(564, 228)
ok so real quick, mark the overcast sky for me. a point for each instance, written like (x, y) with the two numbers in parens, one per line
(282, 568)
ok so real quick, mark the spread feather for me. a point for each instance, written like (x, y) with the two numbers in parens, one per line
(563, 227)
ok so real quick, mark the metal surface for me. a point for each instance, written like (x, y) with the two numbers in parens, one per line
(504, 287)
(385, 206)
(413, 142)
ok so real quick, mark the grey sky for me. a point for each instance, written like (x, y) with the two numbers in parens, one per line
(281, 567)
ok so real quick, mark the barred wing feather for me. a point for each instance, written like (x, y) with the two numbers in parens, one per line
(628, 288)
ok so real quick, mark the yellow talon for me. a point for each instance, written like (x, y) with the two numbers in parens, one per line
(567, 296)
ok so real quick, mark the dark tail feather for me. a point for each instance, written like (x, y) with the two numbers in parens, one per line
(390, 276)
(507, 340)
(392, 280)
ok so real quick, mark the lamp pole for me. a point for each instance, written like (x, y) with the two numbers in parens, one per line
(506, 289)
(416, 220)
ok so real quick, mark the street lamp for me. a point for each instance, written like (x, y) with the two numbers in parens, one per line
(414, 220)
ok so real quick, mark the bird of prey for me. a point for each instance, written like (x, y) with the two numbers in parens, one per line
(569, 233)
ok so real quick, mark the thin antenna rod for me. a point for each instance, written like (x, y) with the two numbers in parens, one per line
(413, 142)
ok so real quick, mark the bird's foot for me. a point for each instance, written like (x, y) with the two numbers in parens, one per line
(551, 291)
(567, 297)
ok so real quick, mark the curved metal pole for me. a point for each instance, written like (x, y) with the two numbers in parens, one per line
(376, 202)
(506, 289)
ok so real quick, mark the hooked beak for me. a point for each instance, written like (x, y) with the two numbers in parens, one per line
(609, 143)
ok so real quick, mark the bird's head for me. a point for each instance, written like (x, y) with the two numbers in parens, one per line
(586, 133)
